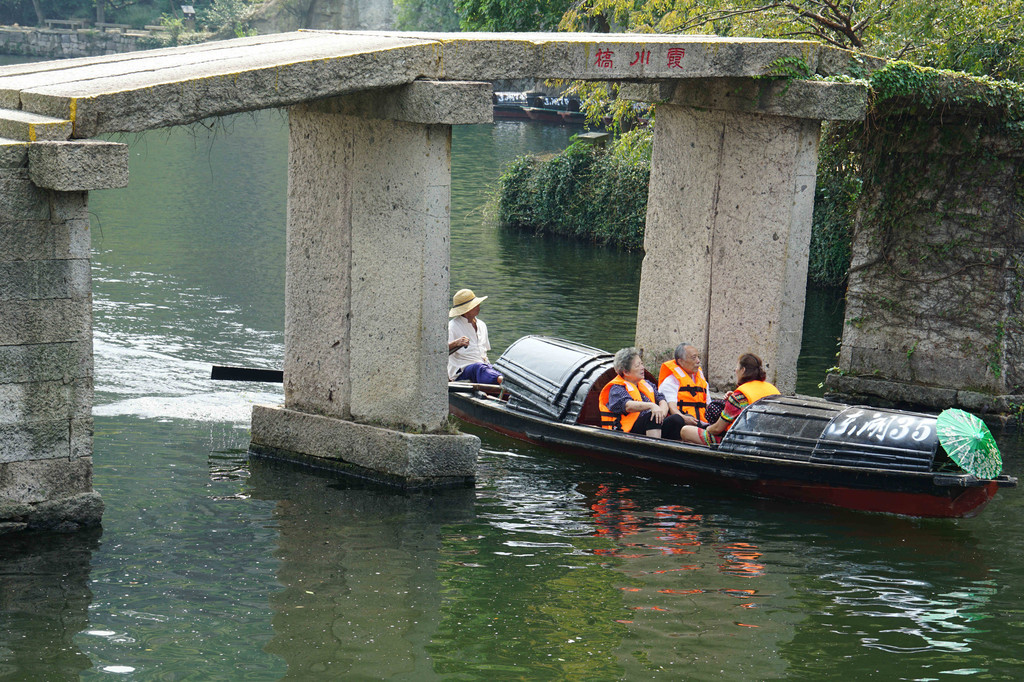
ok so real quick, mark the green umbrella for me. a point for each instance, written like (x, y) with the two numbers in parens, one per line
(969, 443)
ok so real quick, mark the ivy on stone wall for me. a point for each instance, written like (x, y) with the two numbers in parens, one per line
(938, 221)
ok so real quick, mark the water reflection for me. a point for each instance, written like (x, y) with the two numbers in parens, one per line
(44, 602)
(914, 594)
(359, 566)
(822, 330)
(686, 579)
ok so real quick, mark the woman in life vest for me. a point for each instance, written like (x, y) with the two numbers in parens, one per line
(750, 387)
(632, 404)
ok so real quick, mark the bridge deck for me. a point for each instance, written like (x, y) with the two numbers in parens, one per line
(141, 90)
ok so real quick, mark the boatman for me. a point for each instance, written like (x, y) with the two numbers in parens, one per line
(467, 341)
(682, 379)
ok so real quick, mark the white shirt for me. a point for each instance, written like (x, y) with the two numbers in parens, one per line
(478, 346)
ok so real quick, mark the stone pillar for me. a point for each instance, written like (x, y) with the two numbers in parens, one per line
(367, 286)
(46, 330)
(729, 220)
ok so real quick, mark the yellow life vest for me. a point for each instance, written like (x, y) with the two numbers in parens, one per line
(623, 422)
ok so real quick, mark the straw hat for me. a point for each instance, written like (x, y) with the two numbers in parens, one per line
(463, 301)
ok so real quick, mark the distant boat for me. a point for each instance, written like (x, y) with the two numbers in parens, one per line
(793, 448)
(538, 107)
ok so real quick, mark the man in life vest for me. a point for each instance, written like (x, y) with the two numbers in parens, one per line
(630, 403)
(750, 387)
(682, 382)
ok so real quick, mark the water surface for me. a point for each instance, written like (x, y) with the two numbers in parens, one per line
(210, 567)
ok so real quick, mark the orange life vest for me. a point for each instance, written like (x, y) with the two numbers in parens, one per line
(623, 422)
(693, 393)
(755, 390)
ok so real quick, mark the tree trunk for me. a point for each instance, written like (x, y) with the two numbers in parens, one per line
(40, 17)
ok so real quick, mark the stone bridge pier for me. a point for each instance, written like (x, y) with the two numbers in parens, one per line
(366, 294)
(367, 283)
(729, 215)
(46, 328)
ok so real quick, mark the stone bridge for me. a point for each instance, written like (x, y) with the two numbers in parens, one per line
(370, 115)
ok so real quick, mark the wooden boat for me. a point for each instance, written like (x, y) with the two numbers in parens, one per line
(793, 448)
(538, 107)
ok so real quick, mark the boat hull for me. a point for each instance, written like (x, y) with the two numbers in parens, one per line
(918, 494)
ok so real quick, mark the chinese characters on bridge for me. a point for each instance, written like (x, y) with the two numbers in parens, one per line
(605, 58)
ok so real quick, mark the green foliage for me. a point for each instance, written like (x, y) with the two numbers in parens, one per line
(902, 87)
(137, 13)
(837, 189)
(977, 36)
(846, 25)
(426, 15)
(176, 33)
(510, 15)
(790, 67)
(23, 13)
(980, 37)
(584, 192)
(227, 16)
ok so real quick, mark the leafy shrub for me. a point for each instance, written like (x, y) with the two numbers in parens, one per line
(584, 192)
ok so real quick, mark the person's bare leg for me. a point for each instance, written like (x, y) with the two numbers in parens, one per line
(690, 434)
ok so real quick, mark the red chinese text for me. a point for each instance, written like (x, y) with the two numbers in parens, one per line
(641, 57)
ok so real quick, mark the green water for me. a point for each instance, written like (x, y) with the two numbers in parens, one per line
(211, 568)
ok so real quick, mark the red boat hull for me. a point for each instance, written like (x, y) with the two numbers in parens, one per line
(949, 501)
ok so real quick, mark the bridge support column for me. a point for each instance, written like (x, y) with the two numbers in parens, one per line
(367, 287)
(46, 330)
(729, 220)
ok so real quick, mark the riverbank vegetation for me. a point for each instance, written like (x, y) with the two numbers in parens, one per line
(212, 19)
(584, 192)
(978, 38)
(600, 195)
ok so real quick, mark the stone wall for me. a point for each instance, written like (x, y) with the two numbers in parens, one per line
(54, 44)
(935, 304)
(45, 353)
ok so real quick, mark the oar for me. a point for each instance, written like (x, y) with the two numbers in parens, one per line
(276, 376)
(221, 373)
(466, 387)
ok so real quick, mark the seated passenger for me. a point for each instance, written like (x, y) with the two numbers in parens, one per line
(467, 341)
(750, 387)
(630, 403)
(682, 382)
